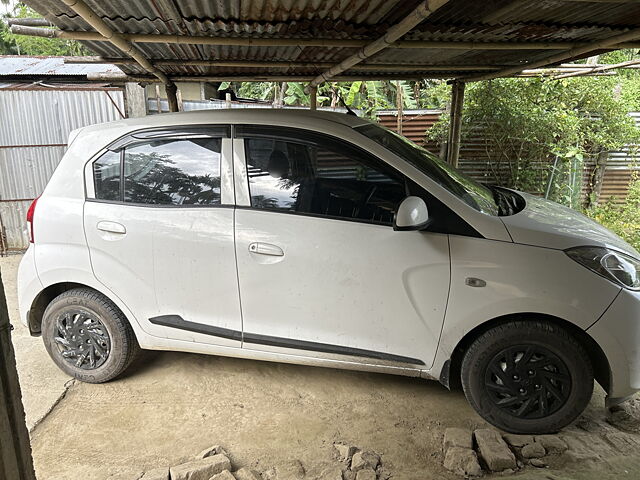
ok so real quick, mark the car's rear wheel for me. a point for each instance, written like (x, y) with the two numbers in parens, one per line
(527, 377)
(88, 336)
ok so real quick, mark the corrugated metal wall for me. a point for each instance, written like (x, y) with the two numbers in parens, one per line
(474, 160)
(35, 126)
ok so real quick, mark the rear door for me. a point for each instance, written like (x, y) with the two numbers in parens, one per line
(159, 225)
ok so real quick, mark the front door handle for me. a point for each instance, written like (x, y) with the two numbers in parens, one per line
(111, 227)
(266, 249)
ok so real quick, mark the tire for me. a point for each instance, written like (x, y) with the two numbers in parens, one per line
(556, 378)
(87, 336)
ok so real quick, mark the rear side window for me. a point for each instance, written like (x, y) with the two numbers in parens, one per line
(106, 176)
(173, 172)
(161, 172)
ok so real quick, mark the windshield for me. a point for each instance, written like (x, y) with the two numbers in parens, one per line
(465, 188)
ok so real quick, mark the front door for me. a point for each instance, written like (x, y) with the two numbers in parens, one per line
(160, 233)
(321, 271)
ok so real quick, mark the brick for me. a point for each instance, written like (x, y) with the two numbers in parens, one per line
(457, 437)
(202, 469)
(462, 461)
(493, 450)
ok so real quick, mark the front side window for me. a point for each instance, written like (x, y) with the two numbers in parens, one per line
(321, 176)
(465, 188)
(161, 172)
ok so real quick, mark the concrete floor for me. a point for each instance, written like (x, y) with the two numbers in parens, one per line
(169, 406)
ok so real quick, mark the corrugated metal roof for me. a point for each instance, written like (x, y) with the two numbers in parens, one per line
(48, 66)
(458, 20)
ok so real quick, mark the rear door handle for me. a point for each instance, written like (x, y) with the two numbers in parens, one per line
(266, 249)
(112, 227)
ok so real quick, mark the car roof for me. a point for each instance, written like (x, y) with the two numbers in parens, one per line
(264, 116)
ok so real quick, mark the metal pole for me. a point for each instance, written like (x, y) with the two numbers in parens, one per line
(15, 451)
(455, 124)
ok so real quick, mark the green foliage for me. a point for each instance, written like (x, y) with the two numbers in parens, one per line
(368, 96)
(537, 132)
(624, 218)
(11, 44)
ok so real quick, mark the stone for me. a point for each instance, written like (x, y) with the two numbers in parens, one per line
(462, 461)
(292, 470)
(345, 452)
(225, 475)
(552, 444)
(201, 469)
(209, 452)
(518, 440)
(362, 460)
(366, 474)
(157, 474)
(536, 462)
(493, 450)
(457, 437)
(331, 473)
(533, 450)
(246, 474)
(349, 475)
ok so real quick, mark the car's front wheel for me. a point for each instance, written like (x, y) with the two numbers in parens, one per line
(527, 377)
(87, 336)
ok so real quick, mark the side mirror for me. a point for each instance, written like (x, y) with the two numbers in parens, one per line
(412, 214)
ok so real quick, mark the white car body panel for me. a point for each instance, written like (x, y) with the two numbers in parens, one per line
(339, 282)
(548, 224)
(518, 281)
(342, 283)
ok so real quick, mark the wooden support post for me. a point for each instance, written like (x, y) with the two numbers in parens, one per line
(593, 198)
(136, 97)
(399, 105)
(172, 96)
(313, 98)
(15, 451)
(455, 123)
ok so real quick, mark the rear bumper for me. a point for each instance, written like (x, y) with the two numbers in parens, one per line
(618, 334)
(29, 285)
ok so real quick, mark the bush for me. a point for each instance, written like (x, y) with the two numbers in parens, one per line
(622, 218)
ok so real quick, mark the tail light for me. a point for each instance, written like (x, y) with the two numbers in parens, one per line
(30, 212)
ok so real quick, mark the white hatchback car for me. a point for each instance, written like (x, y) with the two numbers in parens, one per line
(324, 239)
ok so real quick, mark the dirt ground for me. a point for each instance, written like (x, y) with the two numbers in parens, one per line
(169, 406)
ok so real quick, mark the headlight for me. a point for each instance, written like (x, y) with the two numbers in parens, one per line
(611, 264)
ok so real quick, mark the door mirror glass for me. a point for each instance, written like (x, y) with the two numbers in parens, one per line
(412, 214)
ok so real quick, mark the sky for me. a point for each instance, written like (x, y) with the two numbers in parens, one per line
(7, 8)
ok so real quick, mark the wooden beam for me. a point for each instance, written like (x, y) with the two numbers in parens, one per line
(29, 22)
(424, 10)
(298, 42)
(373, 67)
(601, 68)
(117, 78)
(116, 39)
(610, 42)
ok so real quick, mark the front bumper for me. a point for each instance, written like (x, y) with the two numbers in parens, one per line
(618, 334)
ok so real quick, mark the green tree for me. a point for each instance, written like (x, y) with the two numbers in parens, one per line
(11, 44)
(537, 132)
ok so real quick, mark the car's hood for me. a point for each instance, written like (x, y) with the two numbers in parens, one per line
(548, 224)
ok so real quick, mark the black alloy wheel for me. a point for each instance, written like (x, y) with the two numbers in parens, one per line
(527, 376)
